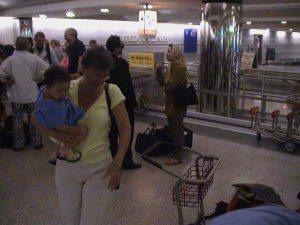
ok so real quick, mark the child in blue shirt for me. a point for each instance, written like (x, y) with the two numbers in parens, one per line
(55, 110)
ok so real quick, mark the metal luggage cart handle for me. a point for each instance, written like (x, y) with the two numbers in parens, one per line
(197, 177)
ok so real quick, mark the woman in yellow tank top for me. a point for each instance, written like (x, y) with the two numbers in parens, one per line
(84, 187)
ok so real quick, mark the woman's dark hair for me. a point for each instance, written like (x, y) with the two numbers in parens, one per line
(97, 58)
(113, 42)
(55, 74)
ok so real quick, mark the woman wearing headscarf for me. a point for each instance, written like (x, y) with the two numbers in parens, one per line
(171, 79)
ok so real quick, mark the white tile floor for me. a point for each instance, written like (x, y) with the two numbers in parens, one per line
(28, 195)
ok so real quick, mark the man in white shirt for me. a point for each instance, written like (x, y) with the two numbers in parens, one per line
(43, 50)
(23, 70)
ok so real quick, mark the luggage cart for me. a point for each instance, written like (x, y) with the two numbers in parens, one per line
(274, 131)
(290, 136)
(190, 188)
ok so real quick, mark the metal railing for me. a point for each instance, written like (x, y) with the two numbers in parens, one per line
(253, 84)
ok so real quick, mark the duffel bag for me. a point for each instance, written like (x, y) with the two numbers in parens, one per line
(150, 136)
(146, 139)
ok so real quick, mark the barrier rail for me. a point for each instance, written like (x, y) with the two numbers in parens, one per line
(253, 84)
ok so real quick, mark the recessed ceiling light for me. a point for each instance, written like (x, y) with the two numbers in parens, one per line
(70, 14)
(280, 33)
(149, 6)
(104, 10)
(284, 22)
(43, 16)
(291, 29)
(248, 22)
(190, 23)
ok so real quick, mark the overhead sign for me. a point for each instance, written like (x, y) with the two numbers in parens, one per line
(148, 23)
(141, 62)
(247, 60)
(141, 40)
(190, 40)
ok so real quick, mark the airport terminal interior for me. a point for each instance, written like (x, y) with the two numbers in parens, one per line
(236, 151)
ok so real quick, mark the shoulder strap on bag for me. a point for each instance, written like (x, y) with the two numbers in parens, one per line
(48, 54)
(108, 101)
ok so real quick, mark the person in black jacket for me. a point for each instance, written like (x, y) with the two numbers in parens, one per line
(120, 76)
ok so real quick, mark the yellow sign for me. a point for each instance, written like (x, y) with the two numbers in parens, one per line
(141, 61)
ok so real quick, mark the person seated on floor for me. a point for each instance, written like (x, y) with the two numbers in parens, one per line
(267, 214)
(54, 109)
(256, 204)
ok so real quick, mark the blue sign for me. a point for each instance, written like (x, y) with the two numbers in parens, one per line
(190, 40)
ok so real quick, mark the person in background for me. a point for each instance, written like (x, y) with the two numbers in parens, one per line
(170, 80)
(93, 43)
(30, 47)
(1, 54)
(23, 70)
(55, 45)
(43, 50)
(8, 50)
(2, 84)
(77, 49)
(64, 63)
(120, 76)
(83, 190)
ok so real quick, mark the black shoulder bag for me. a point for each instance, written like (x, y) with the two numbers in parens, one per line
(185, 96)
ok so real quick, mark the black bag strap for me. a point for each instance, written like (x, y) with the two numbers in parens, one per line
(108, 101)
(48, 54)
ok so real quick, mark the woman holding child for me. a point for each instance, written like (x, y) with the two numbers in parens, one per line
(84, 186)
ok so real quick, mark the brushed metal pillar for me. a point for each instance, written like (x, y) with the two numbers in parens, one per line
(220, 38)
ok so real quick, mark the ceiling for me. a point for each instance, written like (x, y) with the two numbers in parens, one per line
(263, 13)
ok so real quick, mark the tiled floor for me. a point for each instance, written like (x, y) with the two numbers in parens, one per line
(28, 195)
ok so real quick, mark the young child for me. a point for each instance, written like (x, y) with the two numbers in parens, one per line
(54, 109)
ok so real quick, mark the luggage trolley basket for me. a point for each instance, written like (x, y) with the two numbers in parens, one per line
(191, 187)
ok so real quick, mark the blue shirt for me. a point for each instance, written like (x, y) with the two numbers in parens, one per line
(52, 113)
(268, 214)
